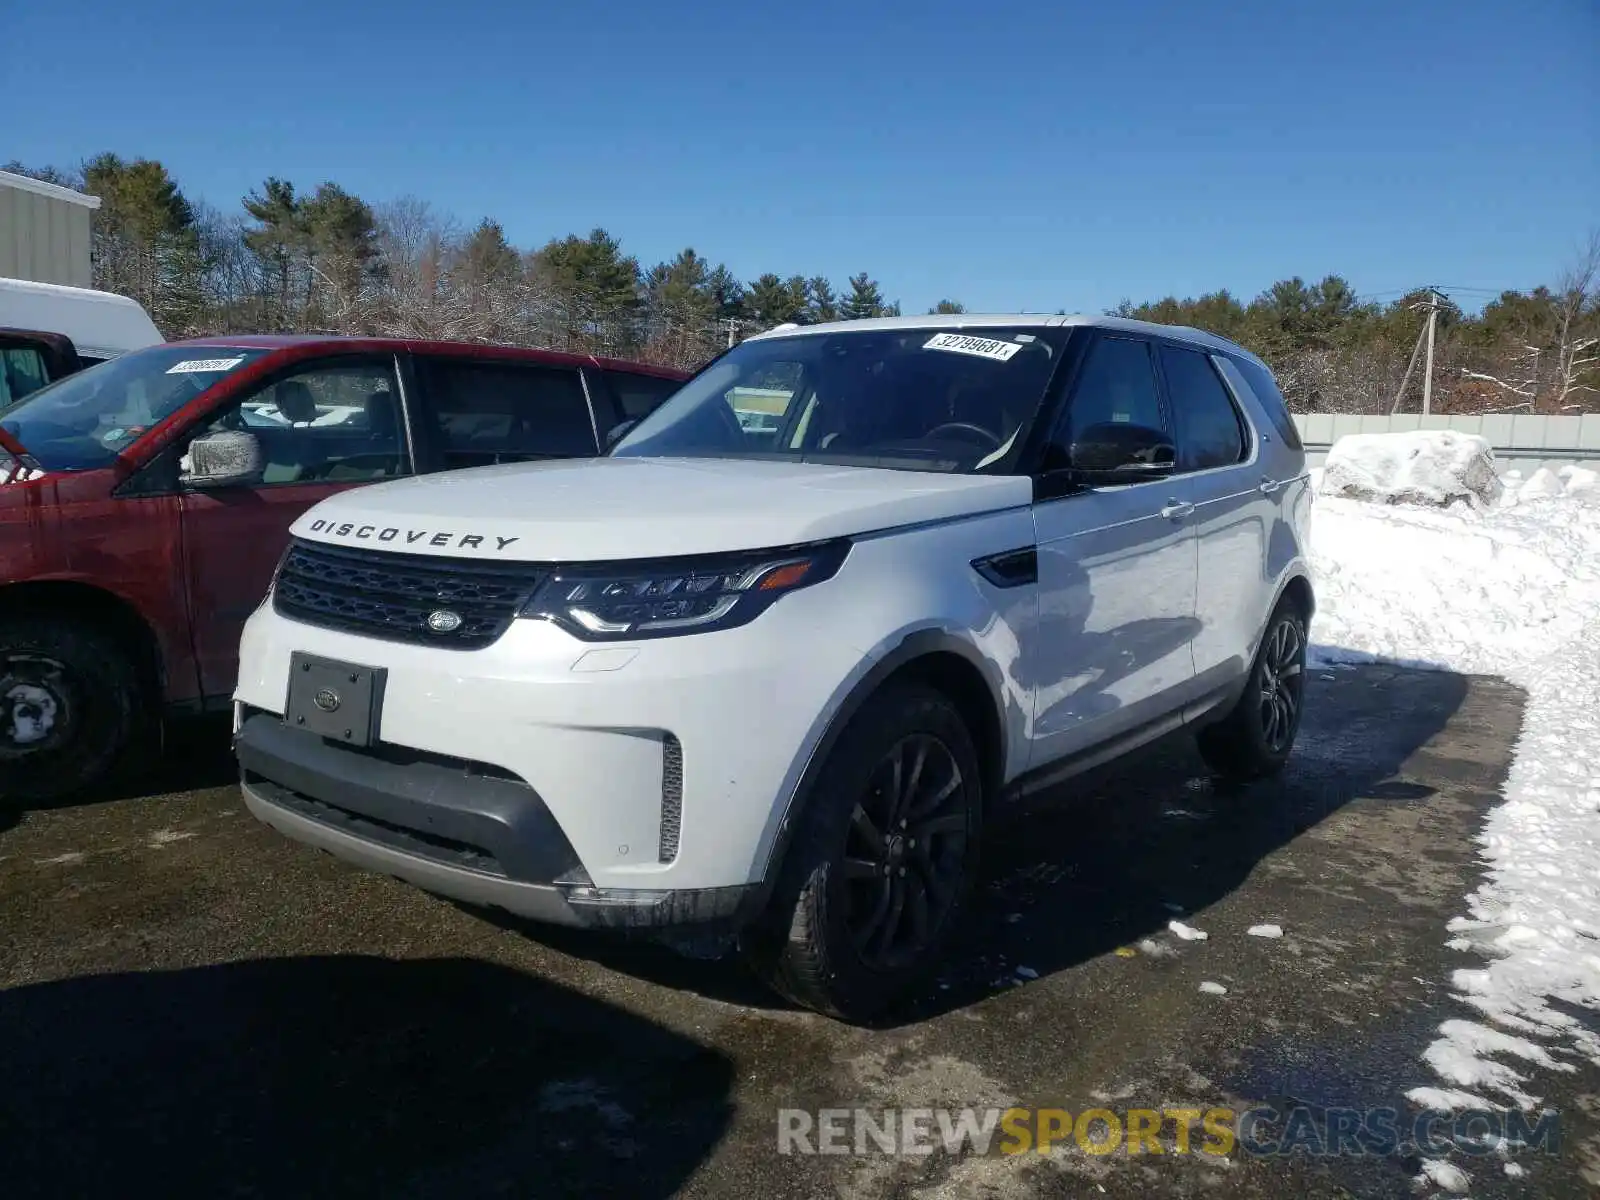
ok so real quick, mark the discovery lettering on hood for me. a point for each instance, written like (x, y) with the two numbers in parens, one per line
(410, 537)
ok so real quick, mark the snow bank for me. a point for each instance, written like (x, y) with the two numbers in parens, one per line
(1545, 483)
(1579, 479)
(1513, 591)
(1438, 467)
(1490, 593)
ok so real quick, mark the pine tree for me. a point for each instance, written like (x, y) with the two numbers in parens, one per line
(486, 258)
(948, 307)
(821, 302)
(680, 310)
(279, 237)
(46, 174)
(773, 301)
(484, 277)
(595, 288)
(727, 293)
(342, 247)
(144, 243)
(864, 300)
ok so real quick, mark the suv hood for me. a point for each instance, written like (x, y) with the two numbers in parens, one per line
(620, 508)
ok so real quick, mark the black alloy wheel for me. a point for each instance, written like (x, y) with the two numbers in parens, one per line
(905, 852)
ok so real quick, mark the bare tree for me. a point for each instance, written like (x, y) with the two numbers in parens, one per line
(1576, 348)
(413, 298)
(1527, 387)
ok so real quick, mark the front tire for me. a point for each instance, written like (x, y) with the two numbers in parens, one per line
(1254, 740)
(882, 862)
(71, 708)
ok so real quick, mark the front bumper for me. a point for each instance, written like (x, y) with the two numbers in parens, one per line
(665, 766)
(481, 838)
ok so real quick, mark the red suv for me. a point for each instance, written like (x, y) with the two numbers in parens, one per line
(145, 502)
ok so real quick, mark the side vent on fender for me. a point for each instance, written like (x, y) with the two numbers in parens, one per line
(1009, 568)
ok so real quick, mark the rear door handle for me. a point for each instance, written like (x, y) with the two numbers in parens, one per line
(1268, 485)
(1176, 511)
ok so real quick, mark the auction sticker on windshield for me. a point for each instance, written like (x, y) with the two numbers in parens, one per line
(961, 343)
(191, 365)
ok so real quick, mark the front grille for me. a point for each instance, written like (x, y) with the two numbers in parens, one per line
(390, 596)
(671, 797)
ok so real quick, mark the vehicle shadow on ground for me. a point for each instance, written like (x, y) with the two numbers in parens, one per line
(195, 754)
(347, 1076)
(1114, 856)
(1110, 857)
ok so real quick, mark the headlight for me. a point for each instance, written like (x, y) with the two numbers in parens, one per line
(665, 597)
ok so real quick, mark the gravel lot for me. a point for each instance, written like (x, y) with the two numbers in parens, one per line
(191, 1002)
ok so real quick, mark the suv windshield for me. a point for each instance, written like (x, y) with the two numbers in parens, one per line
(915, 399)
(82, 422)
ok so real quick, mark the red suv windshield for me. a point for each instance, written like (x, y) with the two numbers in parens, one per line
(84, 421)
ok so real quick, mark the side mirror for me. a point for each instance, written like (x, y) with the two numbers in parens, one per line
(229, 458)
(1118, 452)
(619, 431)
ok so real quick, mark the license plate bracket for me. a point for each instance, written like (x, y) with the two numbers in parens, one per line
(337, 700)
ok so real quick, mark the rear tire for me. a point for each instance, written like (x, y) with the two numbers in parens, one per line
(882, 862)
(72, 710)
(1254, 740)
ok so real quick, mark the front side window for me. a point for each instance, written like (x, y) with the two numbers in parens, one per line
(327, 423)
(488, 412)
(910, 399)
(1209, 433)
(1116, 387)
(84, 420)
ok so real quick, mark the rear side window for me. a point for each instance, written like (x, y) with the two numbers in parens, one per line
(486, 412)
(639, 395)
(1208, 428)
(1260, 381)
(22, 372)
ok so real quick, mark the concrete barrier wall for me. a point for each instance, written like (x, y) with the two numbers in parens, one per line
(1525, 442)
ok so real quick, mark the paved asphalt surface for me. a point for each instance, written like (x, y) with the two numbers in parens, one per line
(191, 1005)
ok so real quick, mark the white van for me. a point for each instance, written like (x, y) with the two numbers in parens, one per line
(48, 330)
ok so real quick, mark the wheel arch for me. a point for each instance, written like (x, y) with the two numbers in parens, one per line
(934, 657)
(74, 600)
(1297, 587)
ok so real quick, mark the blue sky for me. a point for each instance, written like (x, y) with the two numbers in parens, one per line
(1033, 155)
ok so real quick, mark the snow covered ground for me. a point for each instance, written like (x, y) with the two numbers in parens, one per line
(1513, 590)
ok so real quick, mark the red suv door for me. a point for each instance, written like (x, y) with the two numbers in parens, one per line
(323, 426)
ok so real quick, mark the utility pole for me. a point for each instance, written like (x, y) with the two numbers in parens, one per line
(1427, 379)
(1425, 337)
(1416, 353)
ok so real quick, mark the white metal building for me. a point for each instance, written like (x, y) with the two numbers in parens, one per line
(44, 231)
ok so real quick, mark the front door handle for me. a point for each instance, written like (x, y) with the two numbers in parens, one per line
(1177, 510)
(1268, 485)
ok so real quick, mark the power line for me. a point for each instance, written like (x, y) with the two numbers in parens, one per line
(1443, 287)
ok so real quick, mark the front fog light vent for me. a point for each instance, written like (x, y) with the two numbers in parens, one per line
(671, 797)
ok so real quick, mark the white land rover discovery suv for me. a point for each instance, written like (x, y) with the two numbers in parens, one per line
(768, 667)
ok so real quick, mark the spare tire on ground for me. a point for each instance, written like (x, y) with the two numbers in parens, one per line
(1437, 467)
